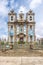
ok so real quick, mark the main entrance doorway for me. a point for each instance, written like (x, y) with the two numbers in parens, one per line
(21, 39)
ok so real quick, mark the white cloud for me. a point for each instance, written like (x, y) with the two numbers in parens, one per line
(23, 9)
(3, 29)
(35, 3)
(3, 8)
(13, 4)
(39, 29)
(3, 26)
(4, 37)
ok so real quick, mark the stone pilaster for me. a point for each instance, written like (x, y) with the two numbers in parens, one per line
(15, 33)
(27, 33)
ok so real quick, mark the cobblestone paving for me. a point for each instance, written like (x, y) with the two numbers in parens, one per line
(21, 60)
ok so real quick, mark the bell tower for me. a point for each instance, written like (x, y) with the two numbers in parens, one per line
(12, 16)
(11, 29)
(30, 16)
(31, 26)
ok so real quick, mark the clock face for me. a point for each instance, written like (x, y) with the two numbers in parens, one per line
(11, 32)
(30, 32)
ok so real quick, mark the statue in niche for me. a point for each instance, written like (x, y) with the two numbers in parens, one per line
(21, 15)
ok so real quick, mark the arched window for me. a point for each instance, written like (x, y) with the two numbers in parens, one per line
(30, 18)
(11, 26)
(31, 27)
(11, 18)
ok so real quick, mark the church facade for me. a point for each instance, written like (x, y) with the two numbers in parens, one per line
(21, 28)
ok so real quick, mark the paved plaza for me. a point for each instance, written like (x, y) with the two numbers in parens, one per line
(21, 60)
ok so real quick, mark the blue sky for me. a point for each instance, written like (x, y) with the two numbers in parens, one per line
(21, 5)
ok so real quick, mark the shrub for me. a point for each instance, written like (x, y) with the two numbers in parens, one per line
(21, 42)
(2, 43)
(6, 43)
